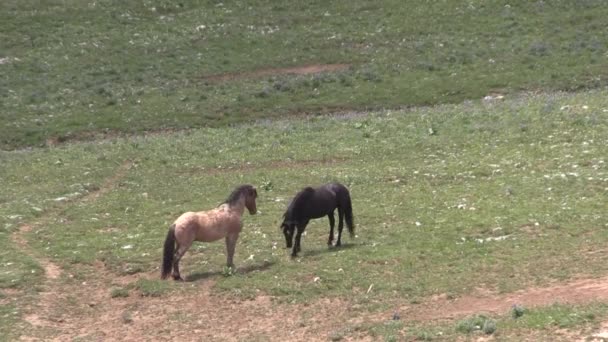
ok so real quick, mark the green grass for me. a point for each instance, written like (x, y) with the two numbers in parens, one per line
(75, 69)
(537, 324)
(150, 288)
(430, 209)
(120, 292)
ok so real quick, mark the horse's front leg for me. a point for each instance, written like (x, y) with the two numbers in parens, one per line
(296, 245)
(332, 222)
(288, 236)
(230, 248)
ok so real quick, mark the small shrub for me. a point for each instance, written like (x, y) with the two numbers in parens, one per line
(517, 311)
(489, 327)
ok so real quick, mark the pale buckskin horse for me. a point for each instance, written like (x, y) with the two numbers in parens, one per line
(207, 226)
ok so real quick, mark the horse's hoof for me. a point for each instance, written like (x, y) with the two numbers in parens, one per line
(178, 278)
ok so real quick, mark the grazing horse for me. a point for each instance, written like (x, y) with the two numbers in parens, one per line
(315, 203)
(221, 222)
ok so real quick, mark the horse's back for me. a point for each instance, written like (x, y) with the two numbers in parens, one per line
(209, 225)
(336, 187)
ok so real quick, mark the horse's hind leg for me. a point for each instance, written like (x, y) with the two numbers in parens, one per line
(340, 225)
(181, 250)
(332, 222)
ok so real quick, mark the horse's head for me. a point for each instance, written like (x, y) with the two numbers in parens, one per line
(250, 197)
(288, 229)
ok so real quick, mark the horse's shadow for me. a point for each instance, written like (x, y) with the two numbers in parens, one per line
(239, 270)
(316, 252)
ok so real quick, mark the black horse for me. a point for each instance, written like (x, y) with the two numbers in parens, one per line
(315, 203)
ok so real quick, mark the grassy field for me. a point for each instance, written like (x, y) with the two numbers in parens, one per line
(73, 69)
(501, 195)
(116, 117)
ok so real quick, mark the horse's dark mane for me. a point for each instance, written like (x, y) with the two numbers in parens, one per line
(237, 193)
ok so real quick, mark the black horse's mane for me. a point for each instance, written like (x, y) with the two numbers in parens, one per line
(237, 193)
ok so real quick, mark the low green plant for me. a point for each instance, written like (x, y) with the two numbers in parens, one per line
(119, 292)
(152, 288)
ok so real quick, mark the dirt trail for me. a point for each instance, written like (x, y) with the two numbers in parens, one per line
(582, 291)
(197, 312)
(300, 70)
(52, 271)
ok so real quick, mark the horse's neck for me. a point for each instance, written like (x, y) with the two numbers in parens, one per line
(238, 207)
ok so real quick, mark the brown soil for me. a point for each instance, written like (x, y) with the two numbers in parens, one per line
(85, 310)
(300, 70)
(582, 291)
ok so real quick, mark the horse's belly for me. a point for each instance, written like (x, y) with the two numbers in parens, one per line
(210, 234)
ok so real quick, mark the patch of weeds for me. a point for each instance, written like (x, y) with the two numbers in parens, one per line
(345, 80)
(539, 49)
(389, 330)
(424, 335)
(152, 288)
(119, 292)
(282, 86)
(336, 336)
(370, 75)
(560, 316)
(476, 323)
(264, 93)
(129, 269)
(267, 185)
(228, 271)
(427, 66)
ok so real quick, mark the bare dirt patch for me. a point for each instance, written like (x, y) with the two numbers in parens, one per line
(299, 70)
(582, 291)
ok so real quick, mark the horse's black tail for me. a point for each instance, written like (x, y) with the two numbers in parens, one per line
(168, 252)
(348, 214)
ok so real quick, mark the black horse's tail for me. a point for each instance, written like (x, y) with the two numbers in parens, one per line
(348, 213)
(168, 252)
